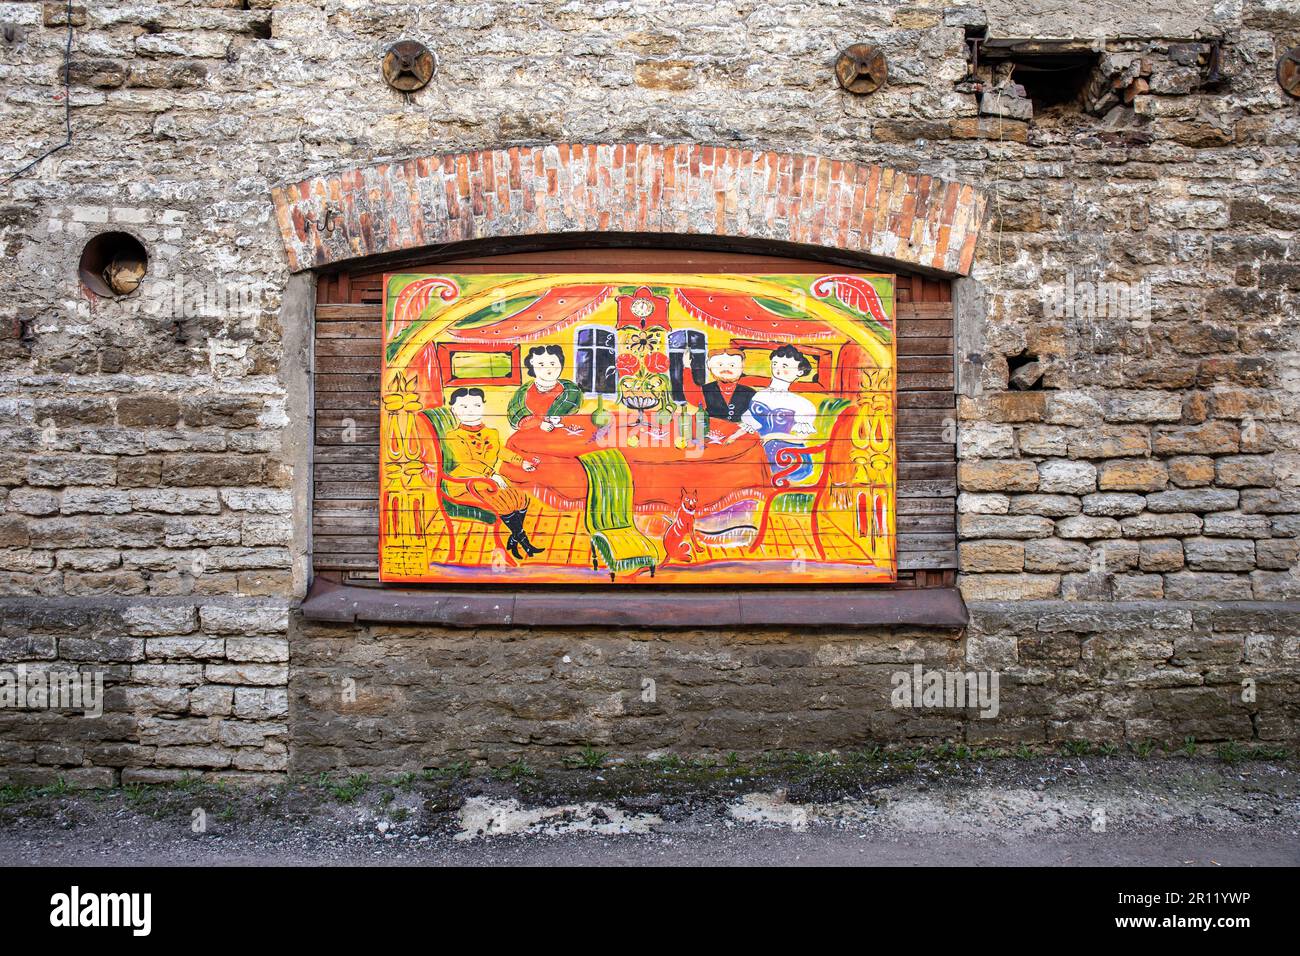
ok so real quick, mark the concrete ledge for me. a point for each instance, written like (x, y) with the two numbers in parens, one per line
(941, 608)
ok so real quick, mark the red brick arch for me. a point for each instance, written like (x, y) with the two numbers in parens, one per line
(633, 188)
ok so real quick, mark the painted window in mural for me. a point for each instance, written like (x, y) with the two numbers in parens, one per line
(688, 353)
(594, 351)
(666, 429)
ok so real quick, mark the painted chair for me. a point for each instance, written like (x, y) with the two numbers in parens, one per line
(808, 498)
(615, 541)
(443, 420)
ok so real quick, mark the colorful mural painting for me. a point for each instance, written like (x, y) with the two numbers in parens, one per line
(666, 429)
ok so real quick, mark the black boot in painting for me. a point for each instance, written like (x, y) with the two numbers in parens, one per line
(514, 522)
(523, 535)
(518, 537)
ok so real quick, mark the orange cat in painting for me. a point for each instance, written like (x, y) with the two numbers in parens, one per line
(679, 539)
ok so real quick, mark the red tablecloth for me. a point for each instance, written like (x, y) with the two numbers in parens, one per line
(660, 470)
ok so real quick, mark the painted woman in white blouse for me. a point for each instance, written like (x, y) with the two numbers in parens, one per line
(780, 417)
(777, 412)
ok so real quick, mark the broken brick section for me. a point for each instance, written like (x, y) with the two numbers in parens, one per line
(636, 188)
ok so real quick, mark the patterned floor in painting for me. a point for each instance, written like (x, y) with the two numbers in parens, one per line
(563, 538)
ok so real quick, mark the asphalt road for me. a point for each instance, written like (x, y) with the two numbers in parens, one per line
(1056, 812)
(750, 846)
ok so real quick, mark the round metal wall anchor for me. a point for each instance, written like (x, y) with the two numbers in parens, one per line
(862, 68)
(409, 66)
(1288, 71)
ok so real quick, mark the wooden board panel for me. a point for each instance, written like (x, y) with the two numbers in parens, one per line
(348, 342)
(814, 362)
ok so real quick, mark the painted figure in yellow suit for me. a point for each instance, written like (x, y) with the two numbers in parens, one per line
(477, 450)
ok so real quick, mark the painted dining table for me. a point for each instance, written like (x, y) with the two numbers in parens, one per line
(660, 468)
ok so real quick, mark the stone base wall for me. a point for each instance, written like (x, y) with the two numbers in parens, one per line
(189, 688)
(388, 698)
(249, 692)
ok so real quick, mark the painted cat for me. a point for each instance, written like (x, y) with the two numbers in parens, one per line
(679, 539)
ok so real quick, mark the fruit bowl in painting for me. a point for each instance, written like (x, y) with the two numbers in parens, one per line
(639, 402)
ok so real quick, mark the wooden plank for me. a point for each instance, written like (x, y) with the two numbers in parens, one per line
(921, 480)
(918, 506)
(343, 462)
(358, 361)
(917, 433)
(329, 561)
(359, 401)
(345, 454)
(927, 399)
(347, 383)
(346, 347)
(926, 451)
(926, 542)
(934, 524)
(907, 561)
(347, 312)
(927, 559)
(352, 524)
(346, 489)
(363, 513)
(927, 488)
(358, 435)
(366, 506)
(362, 364)
(924, 328)
(926, 470)
(907, 364)
(368, 330)
(912, 416)
(347, 544)
(925, 381)
(925, 345)
(923, 311)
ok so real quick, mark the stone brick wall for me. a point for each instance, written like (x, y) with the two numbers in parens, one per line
(375, 698)
(151, 524)
(191, 686)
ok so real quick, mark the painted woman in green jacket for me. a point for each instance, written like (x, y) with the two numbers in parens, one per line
(548, 396)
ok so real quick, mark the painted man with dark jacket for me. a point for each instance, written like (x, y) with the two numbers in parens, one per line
(723, 397)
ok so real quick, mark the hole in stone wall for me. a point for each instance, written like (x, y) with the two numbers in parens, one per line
(1022, 79)
(1025, 372)
(260, 29)
(1053, 80)
(113, 264)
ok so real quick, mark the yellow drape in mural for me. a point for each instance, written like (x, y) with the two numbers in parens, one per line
(667, 429)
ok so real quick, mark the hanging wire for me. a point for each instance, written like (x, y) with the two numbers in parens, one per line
(67, 106)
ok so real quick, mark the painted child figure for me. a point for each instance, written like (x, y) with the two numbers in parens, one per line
(477, 450)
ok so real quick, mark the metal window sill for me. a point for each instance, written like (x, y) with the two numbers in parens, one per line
(940, 608)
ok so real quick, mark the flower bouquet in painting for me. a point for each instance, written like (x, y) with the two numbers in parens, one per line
(642, 380)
